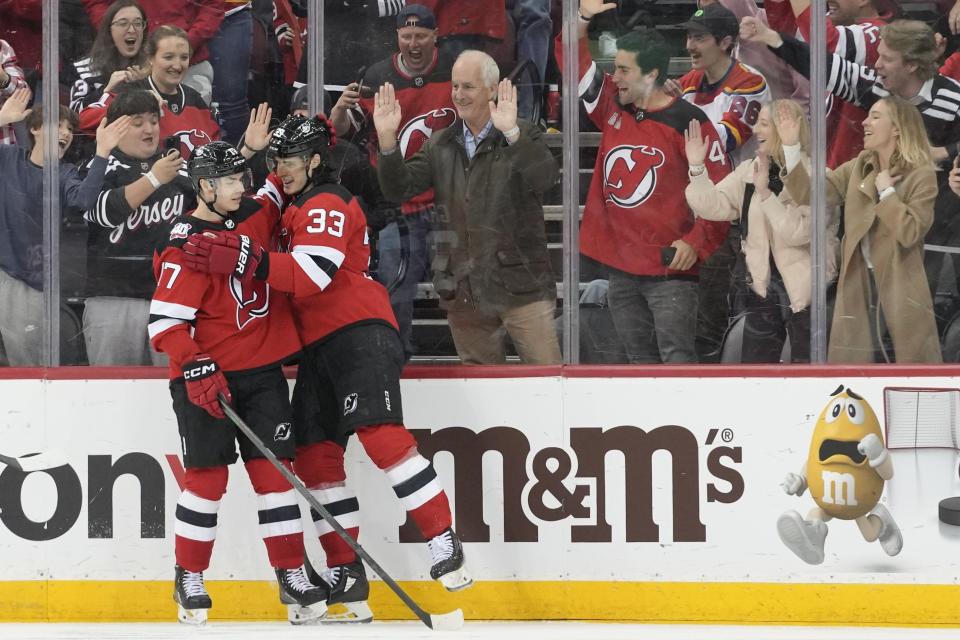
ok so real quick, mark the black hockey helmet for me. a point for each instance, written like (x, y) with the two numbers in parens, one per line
(215, 160)
(302, 136)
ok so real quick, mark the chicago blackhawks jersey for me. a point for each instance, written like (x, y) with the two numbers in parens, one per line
(324, 267)
(121, 239)
(184, 115)
(243, 326)
(426, 106)
(732, 104)
(636, 203)
(857, 43)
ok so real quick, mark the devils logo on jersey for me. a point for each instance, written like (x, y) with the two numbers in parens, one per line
(253, 299)
(630, 174)
(189, 140)
(419, 129)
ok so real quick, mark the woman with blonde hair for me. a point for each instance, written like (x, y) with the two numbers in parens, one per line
(884, 312)
(775, 234)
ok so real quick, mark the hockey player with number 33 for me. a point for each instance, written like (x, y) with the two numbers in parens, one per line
(226, 334)
(349, 375)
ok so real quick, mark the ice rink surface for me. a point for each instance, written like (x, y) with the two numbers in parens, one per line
(471, 630)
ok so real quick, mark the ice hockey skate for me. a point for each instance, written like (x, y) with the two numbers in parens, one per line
(890, 538)
(349, 591)
(448, 563)
(191, 596)
(804, 537)
(306, 602)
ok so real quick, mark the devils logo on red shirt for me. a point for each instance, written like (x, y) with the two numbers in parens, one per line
(419, 129)
(253, 299)
(630, 174)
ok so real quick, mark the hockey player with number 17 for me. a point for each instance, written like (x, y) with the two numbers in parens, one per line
(226, 334)
(349, 376)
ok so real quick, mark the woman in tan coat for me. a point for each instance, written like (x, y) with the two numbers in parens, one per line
(884, 312)
(775, 230)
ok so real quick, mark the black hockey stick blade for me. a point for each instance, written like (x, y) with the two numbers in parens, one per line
(442, 622)
(36, 461)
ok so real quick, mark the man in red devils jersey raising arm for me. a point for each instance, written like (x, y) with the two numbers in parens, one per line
(636, 221)
(349, 375)
(228, 334)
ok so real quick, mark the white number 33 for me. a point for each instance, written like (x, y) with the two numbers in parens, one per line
(322, 221)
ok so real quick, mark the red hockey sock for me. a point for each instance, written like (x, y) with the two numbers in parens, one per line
(393, 449)
(320, 466)
(195, 526)
(278, 513)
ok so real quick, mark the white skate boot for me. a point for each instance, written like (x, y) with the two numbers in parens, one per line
(448, 563)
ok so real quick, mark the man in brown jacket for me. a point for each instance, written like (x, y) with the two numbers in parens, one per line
(491, 268)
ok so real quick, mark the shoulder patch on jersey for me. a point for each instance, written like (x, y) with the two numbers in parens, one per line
(180, 230)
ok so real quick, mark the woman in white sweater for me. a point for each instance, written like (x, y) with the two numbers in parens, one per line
(775, 229)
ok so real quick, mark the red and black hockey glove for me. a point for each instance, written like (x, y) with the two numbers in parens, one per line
(226, 254)
(204, 381)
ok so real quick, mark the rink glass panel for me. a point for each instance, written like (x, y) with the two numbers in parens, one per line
(66, 292)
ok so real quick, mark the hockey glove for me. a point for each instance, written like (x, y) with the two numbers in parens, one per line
(204, 381)
(226, 254)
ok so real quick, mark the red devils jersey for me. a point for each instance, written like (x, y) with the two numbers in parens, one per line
(733, 104)
(242, 326)
(636, 204)
(426, 106)
(325, 265)
(184, 115)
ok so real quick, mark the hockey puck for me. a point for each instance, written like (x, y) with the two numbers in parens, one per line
(950, 511)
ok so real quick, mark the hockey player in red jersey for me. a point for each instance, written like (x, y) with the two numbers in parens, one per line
(636, 221)
(227, 334)
(349, 375)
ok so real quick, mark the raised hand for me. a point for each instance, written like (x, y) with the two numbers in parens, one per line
(130, 74)
(504, 111)
(954, 18)
(257, 135)
(761, 176)
(696, 145)
(755, 30)
(590, 8)
(386, 116)
(109, 135)
(15, 108)
(788, 126)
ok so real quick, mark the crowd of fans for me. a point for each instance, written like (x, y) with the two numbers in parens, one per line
(697, 222)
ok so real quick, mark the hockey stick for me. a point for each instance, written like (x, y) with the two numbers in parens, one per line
(441, 622)
(35, 461)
